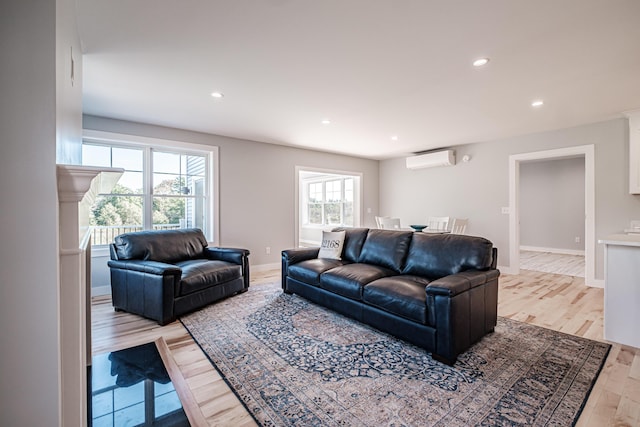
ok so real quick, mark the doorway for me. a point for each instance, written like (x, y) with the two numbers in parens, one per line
(552, 216)
(586, 151)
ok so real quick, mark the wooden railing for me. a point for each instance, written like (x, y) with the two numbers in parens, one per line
(103, 235)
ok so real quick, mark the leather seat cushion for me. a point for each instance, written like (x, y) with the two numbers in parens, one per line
(161, 245)
(386, 248)
(439, 255)
(403, 296)
(348, 280)
(309, 271)
(200, 274)
(353, 240)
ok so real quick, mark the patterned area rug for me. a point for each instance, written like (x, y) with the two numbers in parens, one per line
(294, 363)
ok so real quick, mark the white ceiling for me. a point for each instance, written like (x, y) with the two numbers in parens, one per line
(375, 68)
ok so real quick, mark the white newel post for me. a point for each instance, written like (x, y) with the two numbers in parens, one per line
(77, 188)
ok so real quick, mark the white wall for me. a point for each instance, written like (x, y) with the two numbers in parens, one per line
(68, 89)
(29, 390)
(477, 190)
(552, 204)
(257, 185)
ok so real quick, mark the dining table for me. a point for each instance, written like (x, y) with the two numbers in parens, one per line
(427, 230)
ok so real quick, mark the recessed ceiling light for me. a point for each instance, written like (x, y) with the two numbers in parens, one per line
(217, 95)
(326, 122)
(537, 103)
(480, 62)
(394, 137)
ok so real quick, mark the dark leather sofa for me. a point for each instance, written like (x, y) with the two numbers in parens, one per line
(437, 291)
(166, 273)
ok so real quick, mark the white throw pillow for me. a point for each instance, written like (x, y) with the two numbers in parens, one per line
(332, 242)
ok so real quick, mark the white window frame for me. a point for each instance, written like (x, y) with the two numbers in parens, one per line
(212, 220)
(323, 181)
(358, 194)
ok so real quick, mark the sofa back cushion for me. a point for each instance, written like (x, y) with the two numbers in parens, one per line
(353, 241)
(438, 255)
(161, 245)
(386, 248)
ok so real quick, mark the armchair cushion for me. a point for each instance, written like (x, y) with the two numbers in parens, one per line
(151, 267)
(198, 274)
(187, 243)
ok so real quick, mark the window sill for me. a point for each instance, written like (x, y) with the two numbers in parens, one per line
(100, 251)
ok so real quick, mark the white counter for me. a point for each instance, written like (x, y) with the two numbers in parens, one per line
(622, 289)
(622, 240)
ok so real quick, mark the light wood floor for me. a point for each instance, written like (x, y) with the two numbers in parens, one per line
(553, 301)
(571, 265)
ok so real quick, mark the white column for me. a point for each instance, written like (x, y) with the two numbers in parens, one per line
(77, 188)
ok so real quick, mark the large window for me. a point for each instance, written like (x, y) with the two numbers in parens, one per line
(326, 200)
(330, 202)
(161, 188)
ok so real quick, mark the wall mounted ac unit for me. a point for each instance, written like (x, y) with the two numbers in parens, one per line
(429, 160)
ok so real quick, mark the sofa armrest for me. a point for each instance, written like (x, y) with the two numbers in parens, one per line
(150, 267)
(462, 308)
(294, 256)
(147, 288)
(457, 283)
(234, 256)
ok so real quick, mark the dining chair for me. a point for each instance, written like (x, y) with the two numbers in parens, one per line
(438, 223)
(459, 225)
(379, 221)
(389, 223)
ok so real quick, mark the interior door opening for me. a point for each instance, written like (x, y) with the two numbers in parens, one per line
(552, 216)
(586, 151)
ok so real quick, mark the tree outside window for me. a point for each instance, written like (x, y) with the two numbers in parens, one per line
(316, 200)
(176, 197)
(330, 202)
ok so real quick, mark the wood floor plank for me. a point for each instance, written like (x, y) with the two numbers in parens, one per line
(555, 301)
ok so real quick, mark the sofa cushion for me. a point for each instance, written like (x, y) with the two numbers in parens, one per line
(161, 245)
(198, 274)
(386, 248)
(353, 241)
(403, 296)
(348, 280)
(309, 271)
(439, 255)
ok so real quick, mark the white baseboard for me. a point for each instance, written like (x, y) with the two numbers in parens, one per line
(100, 290)
(596, 283)
(265, 267)
(506, 270)
(100, 251)
(552, 250)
